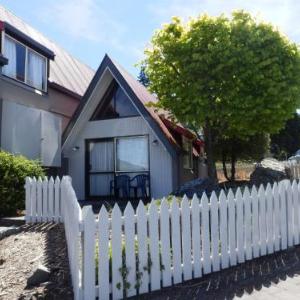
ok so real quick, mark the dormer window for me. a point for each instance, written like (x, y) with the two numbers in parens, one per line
(24, 64)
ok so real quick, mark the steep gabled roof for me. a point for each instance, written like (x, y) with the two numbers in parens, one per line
(137, 93)
(66, 71)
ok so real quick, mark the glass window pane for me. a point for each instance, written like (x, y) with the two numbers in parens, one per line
(36, 70)
(10, 52)
(100, 184)
(21, 56)
(101, 156)
(124, 107)
(132, 154)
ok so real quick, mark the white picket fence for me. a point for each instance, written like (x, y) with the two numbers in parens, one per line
(167, 243)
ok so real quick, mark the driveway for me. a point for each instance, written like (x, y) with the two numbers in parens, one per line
(276, 276)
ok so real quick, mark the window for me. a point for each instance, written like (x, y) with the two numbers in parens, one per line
(188, 153)
(111, 157)
(132, 154)
(24, 64)
(115, 104)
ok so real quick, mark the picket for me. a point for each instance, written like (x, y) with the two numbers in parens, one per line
(196, 237)
(28, 184)
(283, 220)
(205, 234)
(215, 236)
(142, 248)
(175, 239)
(57, 199)
(39, 199)
(186, 239)
(154, 247)
(162, 247)
(89, 253)
(103, 267)
(247, 223)
(255, 222)
(224, 231)
(116, 245)
(130, 259)
(231, 228)
(51, 200)
(269, 216)
(165, 243)
(290, 217)
(262, 220)
(276, 219)
(240, 226)
(45, 200)
(33, 201)
(295, 196)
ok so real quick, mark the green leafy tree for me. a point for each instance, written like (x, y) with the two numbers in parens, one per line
(285, 143)
(236, 74)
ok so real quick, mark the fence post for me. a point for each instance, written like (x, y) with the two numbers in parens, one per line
(28, 182)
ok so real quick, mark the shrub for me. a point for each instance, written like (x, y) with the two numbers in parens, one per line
(13, 171)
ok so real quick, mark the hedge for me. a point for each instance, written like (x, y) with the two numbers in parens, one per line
(13, 171)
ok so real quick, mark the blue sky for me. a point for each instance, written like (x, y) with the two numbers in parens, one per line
(122, 28)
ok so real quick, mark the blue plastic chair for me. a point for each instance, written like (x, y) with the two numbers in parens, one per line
(142, 182)
(120, 183)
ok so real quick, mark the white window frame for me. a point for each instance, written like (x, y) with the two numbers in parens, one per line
(187, 146)
(26, 62)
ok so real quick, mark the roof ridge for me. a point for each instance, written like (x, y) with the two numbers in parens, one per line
(44, 36)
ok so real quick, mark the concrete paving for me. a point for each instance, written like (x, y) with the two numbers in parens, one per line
(10, 225)
(275, 276)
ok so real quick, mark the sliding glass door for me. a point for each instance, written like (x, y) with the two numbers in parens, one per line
(108, 158)
(101, 167)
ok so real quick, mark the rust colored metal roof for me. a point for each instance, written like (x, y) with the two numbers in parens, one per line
(65, 71)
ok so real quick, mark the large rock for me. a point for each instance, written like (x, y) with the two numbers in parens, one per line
(40, 275)
(198, 187)
(268, 170)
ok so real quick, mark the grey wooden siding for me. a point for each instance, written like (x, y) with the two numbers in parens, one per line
(160, 159)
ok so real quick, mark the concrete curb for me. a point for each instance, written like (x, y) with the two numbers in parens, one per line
(7, 231)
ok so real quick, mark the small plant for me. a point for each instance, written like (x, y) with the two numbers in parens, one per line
(13, 172)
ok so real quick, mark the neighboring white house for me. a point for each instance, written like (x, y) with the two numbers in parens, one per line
(113, 132)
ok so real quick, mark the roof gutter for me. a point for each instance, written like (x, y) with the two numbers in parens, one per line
(64, 90)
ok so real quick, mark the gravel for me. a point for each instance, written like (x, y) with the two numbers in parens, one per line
(23, 252)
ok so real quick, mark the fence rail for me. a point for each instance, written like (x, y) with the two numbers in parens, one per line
(135, 252)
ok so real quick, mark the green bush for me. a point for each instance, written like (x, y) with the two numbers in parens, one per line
(13, 171)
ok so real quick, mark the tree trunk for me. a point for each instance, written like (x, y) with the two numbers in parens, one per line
(233, 162)
(211, 166)
(224, 165)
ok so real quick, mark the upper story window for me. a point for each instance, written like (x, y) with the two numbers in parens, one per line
(24, 64)
(115, 104)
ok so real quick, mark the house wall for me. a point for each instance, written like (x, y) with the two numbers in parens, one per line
(160, 160)
(54, 101)
(23, 110)
(187, 174)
